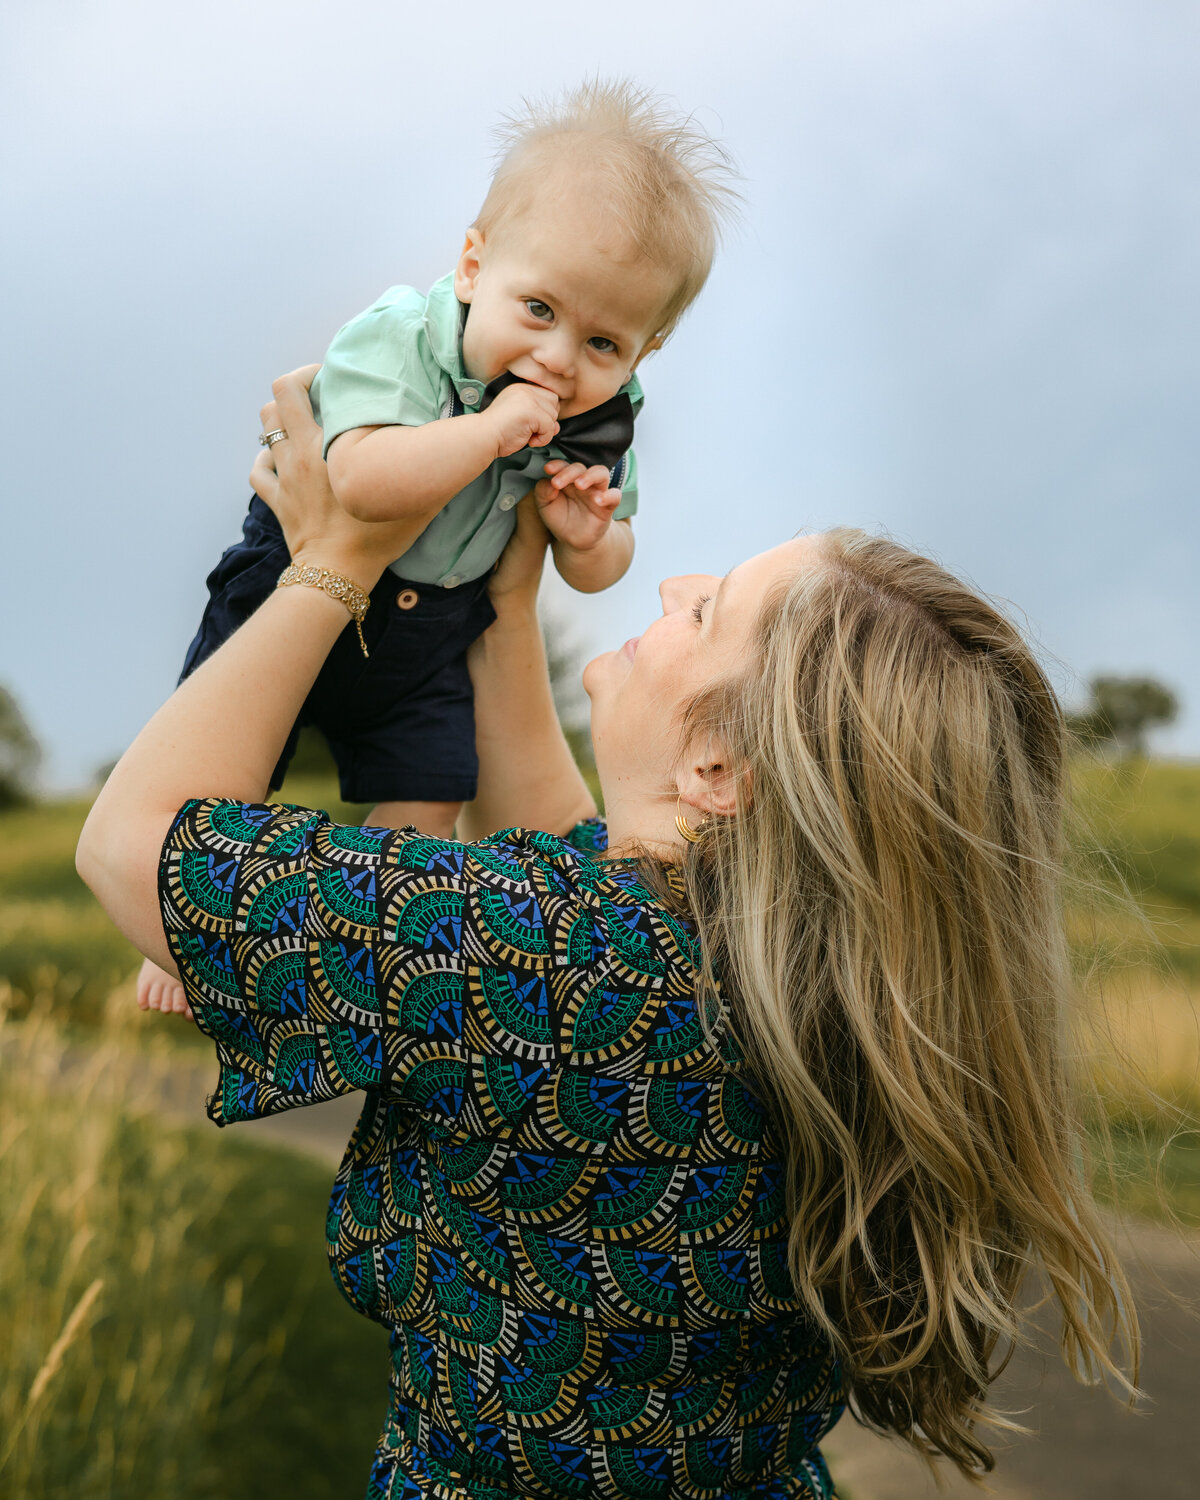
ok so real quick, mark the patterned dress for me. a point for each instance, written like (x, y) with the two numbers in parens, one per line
(561, 1198)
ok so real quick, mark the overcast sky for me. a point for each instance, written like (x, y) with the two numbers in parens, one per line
(963, 306)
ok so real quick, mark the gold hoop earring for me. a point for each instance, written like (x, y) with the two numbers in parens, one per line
(686, 831)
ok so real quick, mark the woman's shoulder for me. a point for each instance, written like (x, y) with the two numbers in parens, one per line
(590, 837)
(227, 855)
(577, 864)
(581, 855)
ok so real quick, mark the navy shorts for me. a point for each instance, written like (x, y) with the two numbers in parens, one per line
(400, 722)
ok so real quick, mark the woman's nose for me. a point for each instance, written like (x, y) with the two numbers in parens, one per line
(684, 590)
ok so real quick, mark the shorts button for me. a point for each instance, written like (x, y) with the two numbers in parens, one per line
(507, 502)
(406, 598)
(470, 397)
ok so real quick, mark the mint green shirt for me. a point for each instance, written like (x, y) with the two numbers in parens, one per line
(400, 362)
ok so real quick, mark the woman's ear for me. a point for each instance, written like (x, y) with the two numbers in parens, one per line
(466, 272)
(710, 783)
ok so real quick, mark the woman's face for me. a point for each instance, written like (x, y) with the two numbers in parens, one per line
(704, 633)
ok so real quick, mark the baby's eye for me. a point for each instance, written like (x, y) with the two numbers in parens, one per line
(605, 346)
(540, 310)
(698, 608)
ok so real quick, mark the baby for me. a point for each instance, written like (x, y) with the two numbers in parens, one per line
(516, 372)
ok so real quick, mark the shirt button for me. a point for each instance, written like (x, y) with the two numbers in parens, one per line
(452, 582)
(406, 598)
(470, 397)
(507, 502)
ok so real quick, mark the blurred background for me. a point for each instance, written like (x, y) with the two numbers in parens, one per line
(961, 306)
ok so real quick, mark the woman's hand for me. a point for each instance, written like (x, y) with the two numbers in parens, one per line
(292, 479)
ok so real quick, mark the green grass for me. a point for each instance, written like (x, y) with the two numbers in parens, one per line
(55, 942)
(168, 1327)
(1141, 823)
(1155, 1171)
(1153, 813)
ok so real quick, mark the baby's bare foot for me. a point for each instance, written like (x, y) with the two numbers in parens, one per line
(157, 990)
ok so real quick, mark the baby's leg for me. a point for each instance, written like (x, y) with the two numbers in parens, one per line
(158, 990)
(436, 818)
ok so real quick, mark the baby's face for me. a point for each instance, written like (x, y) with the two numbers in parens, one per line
(557, 300)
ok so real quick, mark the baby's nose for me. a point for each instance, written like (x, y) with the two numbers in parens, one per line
(556, 355)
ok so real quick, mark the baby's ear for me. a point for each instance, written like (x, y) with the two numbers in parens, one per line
(466, 272)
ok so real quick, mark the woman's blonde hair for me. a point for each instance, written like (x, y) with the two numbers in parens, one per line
(654, 174)
(884, 916)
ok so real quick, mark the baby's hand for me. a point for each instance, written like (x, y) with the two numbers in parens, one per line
(523, 416)
(576, 503)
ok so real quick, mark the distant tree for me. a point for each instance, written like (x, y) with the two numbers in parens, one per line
(1121, 711)
(20, 753)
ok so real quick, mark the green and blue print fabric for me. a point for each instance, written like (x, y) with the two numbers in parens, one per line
(561, 1198)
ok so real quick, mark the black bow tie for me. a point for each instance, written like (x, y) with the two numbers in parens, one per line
(599, 436)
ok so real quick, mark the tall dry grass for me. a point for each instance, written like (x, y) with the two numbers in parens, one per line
(119, 1324)
(1140, 1029)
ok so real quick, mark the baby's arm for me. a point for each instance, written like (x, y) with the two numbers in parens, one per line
(577, 506)
(388, 473)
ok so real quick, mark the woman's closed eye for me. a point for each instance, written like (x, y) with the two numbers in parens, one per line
(698, 608)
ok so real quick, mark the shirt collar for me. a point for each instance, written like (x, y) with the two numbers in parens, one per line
(444, 319)
(443, 329)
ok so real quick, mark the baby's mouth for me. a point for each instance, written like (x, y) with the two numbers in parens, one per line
(541, 384)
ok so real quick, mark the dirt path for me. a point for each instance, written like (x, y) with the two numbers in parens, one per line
(1085, 1447)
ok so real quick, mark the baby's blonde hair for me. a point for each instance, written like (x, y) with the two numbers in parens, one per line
(663, 181)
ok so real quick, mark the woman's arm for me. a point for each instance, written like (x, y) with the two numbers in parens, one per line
(527, 774)
(221, 731)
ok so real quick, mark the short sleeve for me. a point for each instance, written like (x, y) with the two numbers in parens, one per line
(629, 487)
(324, 960)
(379, 370)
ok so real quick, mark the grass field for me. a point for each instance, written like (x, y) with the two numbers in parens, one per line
(1134, 922)
(168, 1327)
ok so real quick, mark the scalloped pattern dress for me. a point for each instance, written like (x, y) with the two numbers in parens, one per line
(562, 1197)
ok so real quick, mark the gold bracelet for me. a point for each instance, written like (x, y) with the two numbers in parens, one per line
(356, 600)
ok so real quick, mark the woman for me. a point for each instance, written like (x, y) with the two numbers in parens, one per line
(670, 1149)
